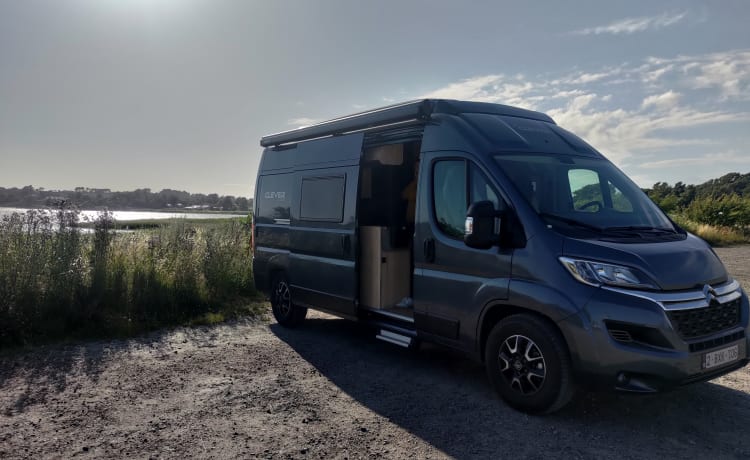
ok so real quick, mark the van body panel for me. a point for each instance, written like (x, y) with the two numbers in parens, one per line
(601, 358)
(323, 236)
(305, 218)
(273, 200)
(487, 134)
(530, 297)
(453, 281)
(279, 160)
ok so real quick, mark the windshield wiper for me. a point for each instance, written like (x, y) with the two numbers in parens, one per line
(573, 222)
(640, 228)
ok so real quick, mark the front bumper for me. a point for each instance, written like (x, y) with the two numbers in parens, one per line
(657, 357)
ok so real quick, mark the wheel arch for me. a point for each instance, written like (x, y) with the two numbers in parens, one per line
(275, 266)
(534, 298)
(498, 311)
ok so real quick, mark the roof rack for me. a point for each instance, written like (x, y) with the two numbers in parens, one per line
(413, 110)
(419, 111)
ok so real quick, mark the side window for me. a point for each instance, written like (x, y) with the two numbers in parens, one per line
(585, 189)
(274, 198)
(449, 195)
(619, 201)
(481, 190)
(322, 199)
(449, 192)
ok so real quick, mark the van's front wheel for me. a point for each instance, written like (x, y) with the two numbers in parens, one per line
(286, 313)
(529, 365)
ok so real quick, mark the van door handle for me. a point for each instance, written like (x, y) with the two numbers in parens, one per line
(428, 246)
(346, 244)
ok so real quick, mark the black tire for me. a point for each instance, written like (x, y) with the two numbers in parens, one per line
(286, 313)
(529, 365)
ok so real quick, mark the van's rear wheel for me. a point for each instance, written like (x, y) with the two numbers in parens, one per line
(529, 364)
(286, 313)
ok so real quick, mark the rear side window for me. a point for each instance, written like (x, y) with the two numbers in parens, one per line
(322, 198)
(274, 199)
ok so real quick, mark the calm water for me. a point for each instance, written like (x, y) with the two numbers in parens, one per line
(123, 216)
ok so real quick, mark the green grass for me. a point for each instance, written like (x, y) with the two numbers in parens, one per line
(150, 224)
(58, 281)
(713, 234)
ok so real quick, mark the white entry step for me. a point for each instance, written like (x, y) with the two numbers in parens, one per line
(394, 338)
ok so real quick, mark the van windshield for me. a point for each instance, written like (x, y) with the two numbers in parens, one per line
(586, 197)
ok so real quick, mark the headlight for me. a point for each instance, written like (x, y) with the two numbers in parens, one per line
(597, 273)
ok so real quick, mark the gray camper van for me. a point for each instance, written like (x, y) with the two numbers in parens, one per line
(492, 230)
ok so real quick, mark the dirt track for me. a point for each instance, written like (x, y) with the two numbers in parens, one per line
(253, 389)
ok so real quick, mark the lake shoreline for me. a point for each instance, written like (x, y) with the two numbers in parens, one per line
(98, 209)
(140, 215)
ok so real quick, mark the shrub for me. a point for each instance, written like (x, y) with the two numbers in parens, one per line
(714, 235)
(58, 281)
(726, 211)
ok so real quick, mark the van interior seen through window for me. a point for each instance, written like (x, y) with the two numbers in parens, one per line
(568, 192)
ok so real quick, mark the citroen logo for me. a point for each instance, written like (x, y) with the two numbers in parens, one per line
(709, 293)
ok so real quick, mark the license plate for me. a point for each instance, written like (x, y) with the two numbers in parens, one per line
(721, 357)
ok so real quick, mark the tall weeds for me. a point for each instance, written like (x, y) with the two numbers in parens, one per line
(59, 281)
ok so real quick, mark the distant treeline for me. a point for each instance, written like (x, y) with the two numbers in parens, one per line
(724, 201)
(142, 198)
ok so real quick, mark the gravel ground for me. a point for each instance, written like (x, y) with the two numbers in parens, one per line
(329, 390)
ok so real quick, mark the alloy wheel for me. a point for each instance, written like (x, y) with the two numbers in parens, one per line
(522, 364)
(282, 298)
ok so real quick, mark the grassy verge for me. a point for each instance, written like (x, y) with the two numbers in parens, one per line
(714, 234)
(58, 282)
(150, 224)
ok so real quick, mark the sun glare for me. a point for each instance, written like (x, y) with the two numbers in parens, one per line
(153, 10)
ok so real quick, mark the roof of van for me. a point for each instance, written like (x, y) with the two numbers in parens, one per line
(418, 111)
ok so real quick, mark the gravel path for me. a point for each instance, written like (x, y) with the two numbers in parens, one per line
(329, 390)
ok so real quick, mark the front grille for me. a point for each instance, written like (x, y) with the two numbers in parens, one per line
(704, 321)
(713, 343)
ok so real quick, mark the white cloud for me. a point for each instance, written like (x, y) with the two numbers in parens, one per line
(567, 94)
(303, 121)
(582, 78)
(728, 157)
(590, 77)
(726, 74)
(726, 71)
(621, 134)
(654, 75)
(633, 25)
(474, 88)
(695, 168)
(633, 119)
(491, 88)
(664, 101)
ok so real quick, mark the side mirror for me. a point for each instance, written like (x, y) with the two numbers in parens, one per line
(481, 230)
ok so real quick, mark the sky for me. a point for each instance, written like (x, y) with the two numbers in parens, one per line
(127, 94)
